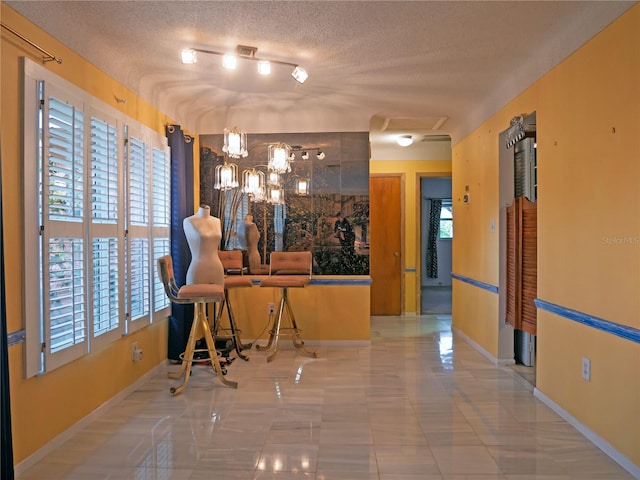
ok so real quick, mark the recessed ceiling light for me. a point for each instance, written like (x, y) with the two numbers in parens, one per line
(405, 140)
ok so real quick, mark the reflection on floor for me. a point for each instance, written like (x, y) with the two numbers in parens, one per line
(527, 373)
(418, 403)
(436, 299)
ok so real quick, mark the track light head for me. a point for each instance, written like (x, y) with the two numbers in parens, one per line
(300, 74)
(320, 155)
(189, 56)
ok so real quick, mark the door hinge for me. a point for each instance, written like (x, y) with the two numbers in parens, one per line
(43, 347)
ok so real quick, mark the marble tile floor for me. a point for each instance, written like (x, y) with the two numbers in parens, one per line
(417, 404)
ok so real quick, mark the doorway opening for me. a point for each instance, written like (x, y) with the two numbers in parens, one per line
(436, 237)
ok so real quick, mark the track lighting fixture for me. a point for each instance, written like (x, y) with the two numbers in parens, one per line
(320, 155)
(305, 155)
(229, 61)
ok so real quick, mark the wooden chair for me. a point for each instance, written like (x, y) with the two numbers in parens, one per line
(234, 278)
(287, 270)
(200, 295)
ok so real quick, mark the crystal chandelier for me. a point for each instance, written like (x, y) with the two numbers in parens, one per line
(253, 182)
(303, 186)
(279, 158)
(226, 176)
(276, 196)
(235, 143)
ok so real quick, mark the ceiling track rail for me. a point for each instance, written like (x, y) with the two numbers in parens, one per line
(48, 57)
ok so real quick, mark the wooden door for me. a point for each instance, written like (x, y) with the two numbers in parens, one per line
(385, 217)
(522, 265)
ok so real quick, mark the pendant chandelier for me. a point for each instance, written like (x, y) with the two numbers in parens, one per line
(276, 196)
(274, 178)
(303, 186)
(253, 182)
(226, 176)
(235, 143)
(279, 157)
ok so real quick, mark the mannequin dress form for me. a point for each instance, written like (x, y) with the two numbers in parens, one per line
(252, 237)
(204, 233)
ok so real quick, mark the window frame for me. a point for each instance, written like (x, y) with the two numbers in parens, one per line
(39, 85)
(446, 202)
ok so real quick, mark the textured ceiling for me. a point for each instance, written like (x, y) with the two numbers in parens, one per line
(422, 67)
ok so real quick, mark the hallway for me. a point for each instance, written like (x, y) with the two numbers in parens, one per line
(417, 404)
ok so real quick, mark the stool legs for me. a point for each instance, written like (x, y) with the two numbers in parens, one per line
(235, 333)
(199, 324)
(274, 333)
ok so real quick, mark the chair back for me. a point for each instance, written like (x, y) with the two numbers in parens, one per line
(199, 292)
(232, 261)
(290, 263)
(165, 271)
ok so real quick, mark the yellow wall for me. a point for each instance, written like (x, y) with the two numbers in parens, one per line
(323, 312)
(106, 372)
(413, 170)
(588, 124)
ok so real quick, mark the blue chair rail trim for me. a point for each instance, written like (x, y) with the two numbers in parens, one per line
(15, 337)
(622, 331)
(476, 283)
(340, 281)
(330, 281)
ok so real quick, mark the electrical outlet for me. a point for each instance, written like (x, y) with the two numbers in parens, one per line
(586, 369)
(271, 308)
(134, 350)
(137, 356)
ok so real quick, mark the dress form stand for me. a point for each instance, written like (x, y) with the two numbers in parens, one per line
(204, 285)
(252, 237)
(204, 233)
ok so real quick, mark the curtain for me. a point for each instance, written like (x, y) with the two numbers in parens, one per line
(6, 440)
(182, 192)
(435, 205)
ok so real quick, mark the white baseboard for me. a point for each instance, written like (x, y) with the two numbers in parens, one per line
(594, 438)
(54, 443)
(479, 348)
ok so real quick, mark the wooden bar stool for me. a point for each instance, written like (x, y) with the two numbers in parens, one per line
(234, 278)
(200, 295)
(287, 270)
